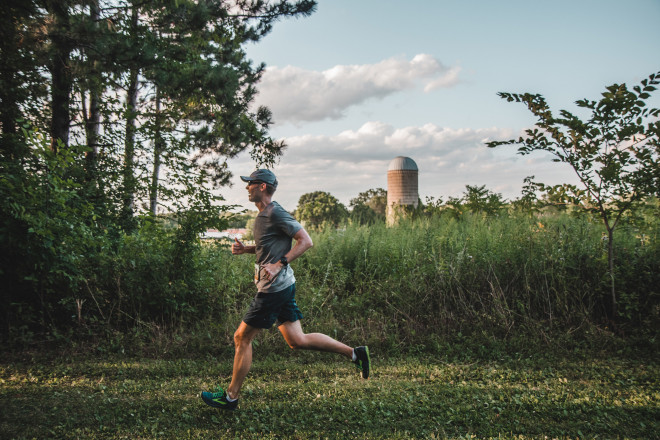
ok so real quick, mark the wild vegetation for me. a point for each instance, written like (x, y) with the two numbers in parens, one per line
(407, 287)
(614, 153)
(98, 96)
(117, 119)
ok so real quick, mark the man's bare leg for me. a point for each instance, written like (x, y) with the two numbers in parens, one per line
(243, 338)
(297, 339)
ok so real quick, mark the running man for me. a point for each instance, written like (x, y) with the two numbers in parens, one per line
(274, 229)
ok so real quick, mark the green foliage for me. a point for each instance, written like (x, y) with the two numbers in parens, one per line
(318, 208)
(427, 278)
(615, 153)
(503, 276)
(478, 199)
(528, 201)
(70, 227)
(47, 235)
(25, 92)
(238, 221)
(396, 288)
(475, 200)
(68, 267)
(369, 207)
(189, 89)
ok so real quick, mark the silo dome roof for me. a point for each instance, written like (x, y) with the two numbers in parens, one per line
(402, 163)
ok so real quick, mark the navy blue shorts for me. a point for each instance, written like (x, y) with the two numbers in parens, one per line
(266, 308)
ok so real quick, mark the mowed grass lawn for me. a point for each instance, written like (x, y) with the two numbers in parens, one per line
(301, 395)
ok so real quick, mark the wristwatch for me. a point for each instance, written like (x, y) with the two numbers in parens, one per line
(284, 261)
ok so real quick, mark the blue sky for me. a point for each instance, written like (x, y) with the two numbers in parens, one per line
(361, 82)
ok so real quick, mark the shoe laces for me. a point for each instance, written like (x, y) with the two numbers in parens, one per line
(218, 392)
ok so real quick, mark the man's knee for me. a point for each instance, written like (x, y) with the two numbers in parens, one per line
(241, 337)
(294, 345)
(297, 343)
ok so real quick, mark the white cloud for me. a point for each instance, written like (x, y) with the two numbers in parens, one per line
(296, 95)
(448, 80)
(354, 161)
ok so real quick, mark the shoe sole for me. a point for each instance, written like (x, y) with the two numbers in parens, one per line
(213, 404)
(368, 372)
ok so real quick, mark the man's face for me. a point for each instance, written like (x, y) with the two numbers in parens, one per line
(255, 191)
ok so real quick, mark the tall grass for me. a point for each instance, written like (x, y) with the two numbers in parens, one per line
(425, 279)
(423, 282)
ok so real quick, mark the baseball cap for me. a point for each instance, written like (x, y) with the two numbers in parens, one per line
(261, 175)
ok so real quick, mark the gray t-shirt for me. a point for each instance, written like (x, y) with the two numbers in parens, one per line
(274, 229)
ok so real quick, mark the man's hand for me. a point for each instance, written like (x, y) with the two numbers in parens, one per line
(271, 269)
(237, 248)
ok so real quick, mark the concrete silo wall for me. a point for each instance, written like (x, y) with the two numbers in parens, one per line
(402, 190)
(402, 187)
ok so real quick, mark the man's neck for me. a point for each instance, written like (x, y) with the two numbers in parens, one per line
(265, 201)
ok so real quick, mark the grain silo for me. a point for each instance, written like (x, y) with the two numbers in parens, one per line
(402, 190)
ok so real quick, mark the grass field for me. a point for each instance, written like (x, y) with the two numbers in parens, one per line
(303, 395)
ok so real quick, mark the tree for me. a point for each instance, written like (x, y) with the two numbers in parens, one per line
(93, 72)
(320, 207)
(200, 86)
(614, 152)
(22, 79)
(60, 71)
(528, 200)
(369, 206)
(480, 200)
(103, 100)
(432, 206)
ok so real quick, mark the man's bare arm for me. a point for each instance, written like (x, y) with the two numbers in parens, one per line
(303, 242)
(238, 248)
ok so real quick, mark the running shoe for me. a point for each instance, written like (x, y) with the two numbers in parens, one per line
(218, 399)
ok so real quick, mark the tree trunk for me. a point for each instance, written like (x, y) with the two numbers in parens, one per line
(610, 261)
(93, 121)
(9, 82)
(159, 147)
(10, 86)
(128, 172)
(60, 74)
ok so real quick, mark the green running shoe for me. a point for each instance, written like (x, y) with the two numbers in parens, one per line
(363, 361)
(218, 399)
